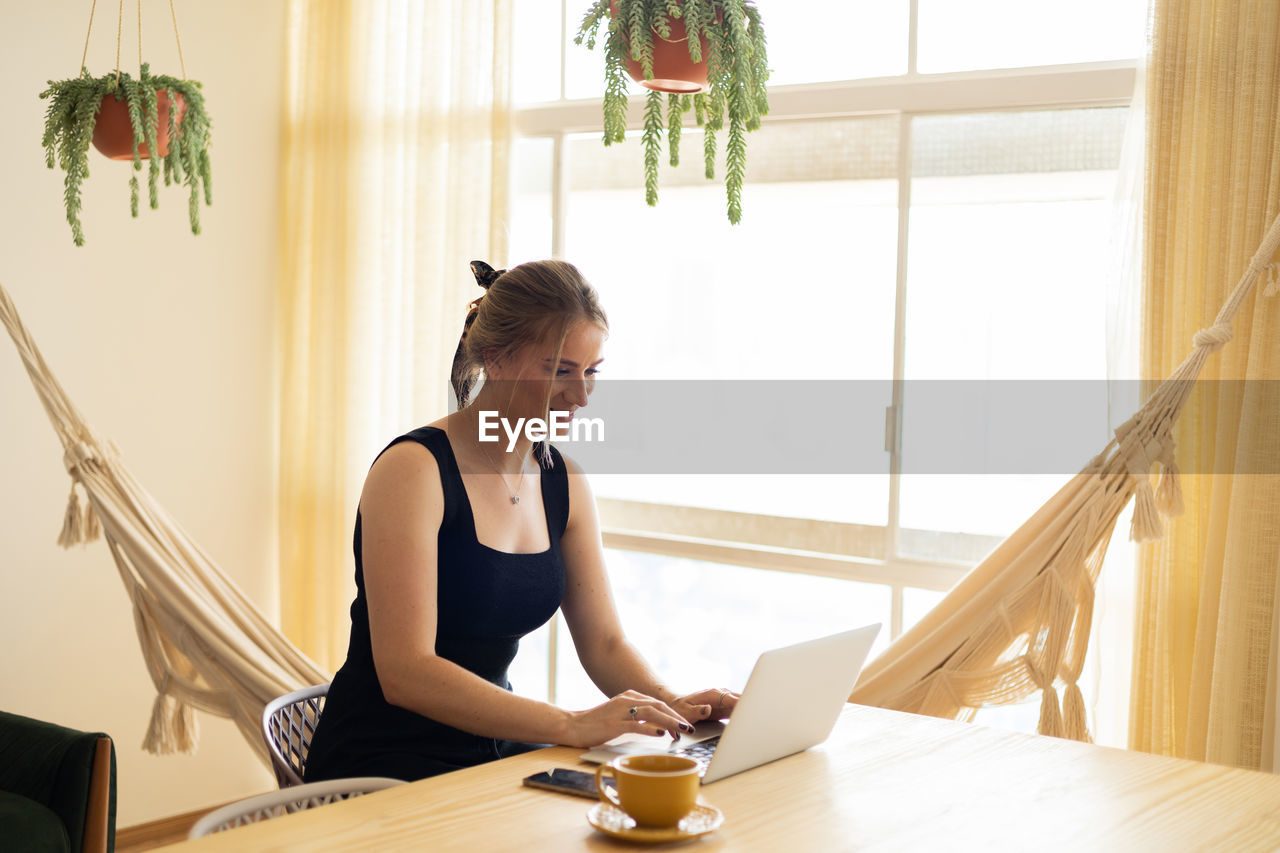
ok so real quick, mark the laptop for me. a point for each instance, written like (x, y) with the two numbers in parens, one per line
(791, 702)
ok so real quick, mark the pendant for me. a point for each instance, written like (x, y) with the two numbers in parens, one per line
(515, 499)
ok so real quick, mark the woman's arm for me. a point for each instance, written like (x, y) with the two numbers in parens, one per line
(401, 510)
(610, 660)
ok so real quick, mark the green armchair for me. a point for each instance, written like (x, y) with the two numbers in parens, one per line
(57, 788)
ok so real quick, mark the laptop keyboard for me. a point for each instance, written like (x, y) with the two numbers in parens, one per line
(700, 752)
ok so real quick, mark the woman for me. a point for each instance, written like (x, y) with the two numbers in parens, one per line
(462, 548)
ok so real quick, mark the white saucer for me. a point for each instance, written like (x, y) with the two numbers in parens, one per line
(612, 820)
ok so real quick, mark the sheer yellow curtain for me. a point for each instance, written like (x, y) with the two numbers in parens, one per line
(1205, 663)
(396, 147)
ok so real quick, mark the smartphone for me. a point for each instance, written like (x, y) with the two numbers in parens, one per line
(567, 781)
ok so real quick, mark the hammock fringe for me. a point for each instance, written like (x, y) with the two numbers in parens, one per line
(1074, 717)
(1050, 715)
(1146, 517)
(80, 524)
(173, 727)
(1169, 492)
(72, 521)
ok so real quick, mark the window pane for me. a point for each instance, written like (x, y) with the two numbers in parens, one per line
(529, 237)
(703, 624)
(803, 288)
(811, 41)
(916, 603)
(1015, 33)
(535, 60)
(1007, 242)
(810, 269)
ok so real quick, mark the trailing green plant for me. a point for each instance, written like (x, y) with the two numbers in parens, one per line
(72, 115)
(737, 69)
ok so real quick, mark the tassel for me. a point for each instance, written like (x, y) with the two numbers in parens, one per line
(92, 526)
(1273, 280)
(1074, 721)
(173, 727)
(160, 739)
(1146, 519)
(80, 523)
(1050, 715)
(72, 521)
(1169, 491)
(186, 728)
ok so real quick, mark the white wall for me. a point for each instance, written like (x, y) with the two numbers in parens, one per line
(165, 342)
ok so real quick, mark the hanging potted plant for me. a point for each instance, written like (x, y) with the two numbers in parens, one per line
(706, 56)
(156, 117)
(129, 119)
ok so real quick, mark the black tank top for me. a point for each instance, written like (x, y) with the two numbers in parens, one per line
(486, 601)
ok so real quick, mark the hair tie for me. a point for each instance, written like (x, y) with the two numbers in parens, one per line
(461, 382)
(485, 277)
(485, 274)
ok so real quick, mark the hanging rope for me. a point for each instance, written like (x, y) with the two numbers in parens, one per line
(85, 56)
(181, 62)
(177, 37)
(119, 38)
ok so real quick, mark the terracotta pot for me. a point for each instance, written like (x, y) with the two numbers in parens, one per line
(673, 70)
(113, 134)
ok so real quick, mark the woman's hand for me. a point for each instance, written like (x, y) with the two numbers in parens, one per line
(628, 712)
(710, 704)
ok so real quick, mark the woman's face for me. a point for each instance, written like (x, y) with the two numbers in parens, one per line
(534, 371)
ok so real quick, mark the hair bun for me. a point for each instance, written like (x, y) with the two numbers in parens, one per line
(485, 274)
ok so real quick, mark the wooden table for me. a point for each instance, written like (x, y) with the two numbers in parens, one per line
(883, 781)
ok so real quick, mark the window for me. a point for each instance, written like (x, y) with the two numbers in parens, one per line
(925, 207)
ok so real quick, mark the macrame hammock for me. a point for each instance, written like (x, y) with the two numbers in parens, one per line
(1017, 623)
(206, 646)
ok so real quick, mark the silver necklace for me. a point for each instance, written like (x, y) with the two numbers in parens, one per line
(515, 496)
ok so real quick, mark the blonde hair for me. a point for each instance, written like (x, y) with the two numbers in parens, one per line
(534, 303)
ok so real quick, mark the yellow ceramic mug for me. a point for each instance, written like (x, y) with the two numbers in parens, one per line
(656, 790)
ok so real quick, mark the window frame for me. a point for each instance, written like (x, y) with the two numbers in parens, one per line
(866, 553)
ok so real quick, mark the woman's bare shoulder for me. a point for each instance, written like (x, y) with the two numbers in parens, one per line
(405, 471)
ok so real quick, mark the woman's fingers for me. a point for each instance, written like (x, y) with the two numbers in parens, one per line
(727, 701)
(646, 717)
(641, 709)
(639, 700)
(634, 712)
(696, 709)
(712, 703)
